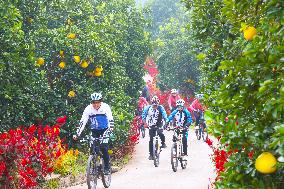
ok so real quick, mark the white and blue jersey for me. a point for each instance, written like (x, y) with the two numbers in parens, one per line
(99, 119)
(181, 117)
(150, 115)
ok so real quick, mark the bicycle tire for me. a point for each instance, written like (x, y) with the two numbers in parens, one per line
(143, 131)
(183, 163)
(92, 176)
(174, 160)
(197, 133)
(106, 179)
(156, 153)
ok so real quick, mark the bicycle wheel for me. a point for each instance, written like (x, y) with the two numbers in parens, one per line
(204, 134)
(174, 159)
(156, 153)
(92, 175)
(143, 131)
(197, 133)
(106, 178)
(183, 163)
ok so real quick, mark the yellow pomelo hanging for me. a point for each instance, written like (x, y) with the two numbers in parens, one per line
(62, 65)
(265, 163)
(99, 69)
(76, 58)
(71, 94)
(249, 33)
(84, 64)
(71, 36)
(40, 61)
(98, 74)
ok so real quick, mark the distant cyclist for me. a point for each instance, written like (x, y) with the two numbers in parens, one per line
(142, 103)
(182, 119)
(173, 97)
(100, 116)
(153, 115)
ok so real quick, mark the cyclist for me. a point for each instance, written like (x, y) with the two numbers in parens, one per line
(153, 115)
(199, 116)
(100, 116)
(182, 119)
(173, 97)
(142, 103)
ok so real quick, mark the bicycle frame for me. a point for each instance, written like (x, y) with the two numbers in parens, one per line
(156, 147)
(177, 149)
(95, 166)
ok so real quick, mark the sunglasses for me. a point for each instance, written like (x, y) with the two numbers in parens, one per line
(95, 102)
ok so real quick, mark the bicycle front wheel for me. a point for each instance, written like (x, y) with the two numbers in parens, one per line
(174, 159)
(143, 131)
(156, 153)
(197, 133)
(92, 175)
(204, 135)
(106, 178)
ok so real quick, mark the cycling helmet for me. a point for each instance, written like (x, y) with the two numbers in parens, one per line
(200, 96)
(180, 102)
(155, 100)
(173, 91)
(96, 96)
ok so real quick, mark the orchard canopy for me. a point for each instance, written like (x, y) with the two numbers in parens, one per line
(55, 53)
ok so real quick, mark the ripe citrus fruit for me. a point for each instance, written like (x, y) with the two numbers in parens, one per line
(62, 65)
(71, 36)
(40, 61)
(249, 33)
(71, 94)
(76, 58)
(98, 74)
(99, 69)
(110, 152)
(265, 163)
(84, 64)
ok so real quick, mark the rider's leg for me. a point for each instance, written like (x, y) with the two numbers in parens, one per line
(104, 147)
(162, 137)
(184, 141)
(151, 135)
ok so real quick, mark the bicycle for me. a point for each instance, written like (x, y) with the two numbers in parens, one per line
(95, 165)
(200, 131)
(177, 149)
(156, 147)
(139, 125)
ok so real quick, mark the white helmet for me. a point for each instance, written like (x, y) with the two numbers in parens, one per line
(96, 96)
(173, 91)
(199, 96)
(180, 102)
(155, 100)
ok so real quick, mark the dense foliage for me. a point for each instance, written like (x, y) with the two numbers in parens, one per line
(54, 54)
(242, 55)
(172, 46)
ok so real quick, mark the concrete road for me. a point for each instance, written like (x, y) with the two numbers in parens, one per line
(140, 172)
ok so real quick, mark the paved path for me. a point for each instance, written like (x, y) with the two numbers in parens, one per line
(140, 172)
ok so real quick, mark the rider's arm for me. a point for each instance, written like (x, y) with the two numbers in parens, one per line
(109, 117)
(164, 113)
(171, 116)
(189, 118)
(170, 102)
(145, 112)
(83, 121)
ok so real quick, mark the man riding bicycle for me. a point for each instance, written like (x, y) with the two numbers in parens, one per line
(173, 97)
(100, 116)
(153, 116)
(182, 119)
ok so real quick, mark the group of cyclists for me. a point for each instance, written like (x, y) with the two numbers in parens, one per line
(153, 115)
